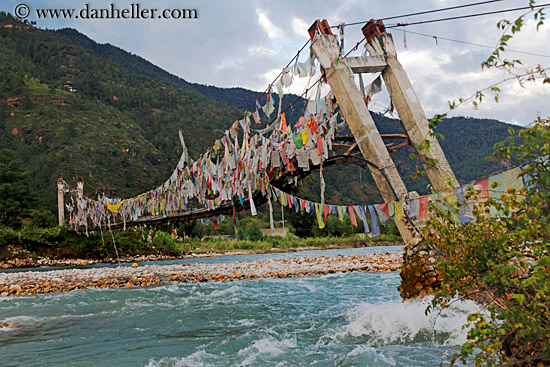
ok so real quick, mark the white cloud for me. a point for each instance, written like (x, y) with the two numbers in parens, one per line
(300, 27)
(258, 50)
(271, 29)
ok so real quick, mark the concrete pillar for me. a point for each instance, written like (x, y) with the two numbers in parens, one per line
(418, 276)
(410, 111)
(326, 49)
(60, 203)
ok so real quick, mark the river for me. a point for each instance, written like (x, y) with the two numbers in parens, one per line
(347, 319)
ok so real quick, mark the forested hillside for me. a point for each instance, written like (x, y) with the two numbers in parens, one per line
(71, 107)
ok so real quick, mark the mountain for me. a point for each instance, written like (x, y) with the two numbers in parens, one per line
(239, 98)
(69, 112)
(71, 107)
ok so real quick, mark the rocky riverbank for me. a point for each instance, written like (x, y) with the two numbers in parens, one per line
(36, 282)
(30, 262)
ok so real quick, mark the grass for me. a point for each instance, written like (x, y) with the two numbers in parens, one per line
(218, 244)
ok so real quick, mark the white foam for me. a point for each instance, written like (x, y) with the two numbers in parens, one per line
(266, 346)
(405, 322)
(233, 290)
(196, 359)
(371, 354)
(246, 322)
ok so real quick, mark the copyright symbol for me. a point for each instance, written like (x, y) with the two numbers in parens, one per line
(22, 11)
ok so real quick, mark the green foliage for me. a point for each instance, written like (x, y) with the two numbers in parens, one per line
(335, 227)
(249, 231)
(254, 233)
(302, 222)
(504, 262)
(14, 194)
(41, 218)
(165, 243)
(193, 229)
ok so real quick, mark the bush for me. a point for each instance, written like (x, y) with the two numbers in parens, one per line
(254, 233)
(503, 262)
(164, 243)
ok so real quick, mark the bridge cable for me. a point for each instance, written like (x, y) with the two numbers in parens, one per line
(469, 15)
(472, 44)
(424, 12)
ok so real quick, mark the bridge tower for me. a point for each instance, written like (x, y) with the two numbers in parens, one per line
(418, 276)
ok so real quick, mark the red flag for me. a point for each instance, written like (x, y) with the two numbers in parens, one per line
(320, 149)
(352, 216)
(326, 210)
(423, 207)
(256, 116)
(385, 209)
(483, 185)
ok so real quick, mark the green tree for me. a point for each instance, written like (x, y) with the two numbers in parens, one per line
(254, 233)
(193, 229)
(14, 193)
(503, 261)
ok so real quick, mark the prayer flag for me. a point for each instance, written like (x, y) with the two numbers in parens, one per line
(320, 221)
(423, 207)
(352, 216)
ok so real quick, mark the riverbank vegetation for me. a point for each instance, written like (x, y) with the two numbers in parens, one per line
(503, 262)
(502, 258)
(34, 241)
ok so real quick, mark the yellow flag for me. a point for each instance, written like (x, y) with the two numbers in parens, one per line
(113, 208)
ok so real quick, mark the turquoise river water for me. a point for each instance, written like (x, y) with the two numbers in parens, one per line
(349, 319)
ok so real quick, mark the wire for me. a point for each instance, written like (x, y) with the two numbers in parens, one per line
(426, 12)
(472, 44)
(454, 18)
(469, 16)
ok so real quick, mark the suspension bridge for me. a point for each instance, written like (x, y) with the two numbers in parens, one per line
(261, 154)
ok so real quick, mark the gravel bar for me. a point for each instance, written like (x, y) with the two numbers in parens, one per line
(36, 282)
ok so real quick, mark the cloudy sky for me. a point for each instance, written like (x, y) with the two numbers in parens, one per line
(245, 43)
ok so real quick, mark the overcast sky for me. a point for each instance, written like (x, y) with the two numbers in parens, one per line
(245, 43)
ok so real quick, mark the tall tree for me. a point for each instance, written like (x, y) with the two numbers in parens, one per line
(14, 193)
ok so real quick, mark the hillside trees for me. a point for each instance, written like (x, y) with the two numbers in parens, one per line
(14, 193)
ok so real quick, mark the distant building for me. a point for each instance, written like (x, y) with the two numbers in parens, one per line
(69, 86)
